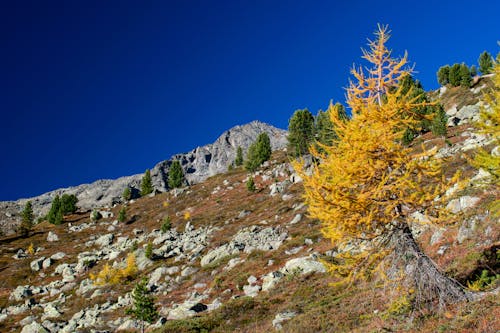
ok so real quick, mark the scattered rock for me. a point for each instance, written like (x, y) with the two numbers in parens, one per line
(466, 230)
(296, 219)
(282, 317)
(36, 264)
(105, 240)
(461, 204)
(52, 237)
(20, 293)
(251, 290)
(304, 265)
(270, 280)
(58, 256)
(34, 327)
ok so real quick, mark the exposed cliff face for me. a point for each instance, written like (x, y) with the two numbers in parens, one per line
(198, 165)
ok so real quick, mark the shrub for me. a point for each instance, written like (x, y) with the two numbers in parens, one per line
(95, 215)
(149, 250)
(54, 209)
(127, 194)
(443, 75)
(250, 184)
(122, 215)
(166, 225)
(68, 203)
(143, 307)
(485, 62)
(439, 122)
(109, 275)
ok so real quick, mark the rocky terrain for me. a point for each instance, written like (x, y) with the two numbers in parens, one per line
(198, 165)
(236, 260)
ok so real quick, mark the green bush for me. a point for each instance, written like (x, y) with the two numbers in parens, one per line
(146, 184)
(149, 251)
(122, 214)
(166, 225)
(239, 157)
(300, 132)
(250, 184)
(127, 194)
(485, 62)
(68, 203)
(27, 220)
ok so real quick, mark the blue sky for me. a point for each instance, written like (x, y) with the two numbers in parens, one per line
(102, 89)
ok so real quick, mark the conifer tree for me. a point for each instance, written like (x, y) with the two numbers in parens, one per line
(122, 214)
(127, 194)
(146, 184)
(143, 307)
(68, 203)
(368, 183)
(439, 122)
(443, 75)
(239, 157)
(455, 75)
(465, 76)
(175, 175)
(258, 152)
(485, 62)
(54, 210)
(300, 132)
(27, 220)
(489, 124)
(324, 128)
(250, 184)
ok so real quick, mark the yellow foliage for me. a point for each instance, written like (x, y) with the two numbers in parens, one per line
(489, 123)
(187, 215)
(109, 275)
(165, 204)
(31, 249)
(367, 180)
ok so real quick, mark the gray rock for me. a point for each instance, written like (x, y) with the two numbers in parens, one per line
(188, 271)
(47, 263)
(58, 256)
(296, 219)
(52, 237)
(251, 290)
(303, 265)
(466, 230)
(20, 293)
(129, 325)
(34, 327)
(105, 240)
(50, 311)
(461, 204)
(36, 264)
(157, 274)
(270, 280)
(27, 320)
(20, 254)
(282, 317)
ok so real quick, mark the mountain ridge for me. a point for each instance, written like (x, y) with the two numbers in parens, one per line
(195, 163)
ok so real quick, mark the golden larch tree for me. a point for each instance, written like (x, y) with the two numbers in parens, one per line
(367, 183)
(489, 124)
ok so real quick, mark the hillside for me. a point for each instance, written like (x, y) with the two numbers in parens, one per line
(245, 261)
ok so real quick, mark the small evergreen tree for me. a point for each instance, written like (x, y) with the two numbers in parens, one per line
(54, 209)
(239, 157)
(250, 184)
(59, 217)
(127, 194)
(68, 203)
(443, 75)
(143, 308)
(148, 253)
(27, 220)
(473, 70)
(122, 214)
(465, 76)
(258, 152)
(166, 225)
(300, 132)
(324, 129)
(455, 75)
(485, 62)
(146, 184)
(175, 175)
(439, 122)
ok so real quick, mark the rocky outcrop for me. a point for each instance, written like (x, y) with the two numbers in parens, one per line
(198, 165)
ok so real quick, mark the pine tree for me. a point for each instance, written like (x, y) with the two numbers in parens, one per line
(489, 124)
(27, 220)
(324, 129)
(368, 182)
(54, 210)
(175, 175)
(148, 253)
(439, 125)
(143, 307)
(68, 203)
(122, 214)
(485, 62)
(465, 76)
(250, 184)
(455, 75)
(300, 132)
(166, 225)
(443, 75)
(146, 184)
(258, 152)
(239, 157)
(127, 194)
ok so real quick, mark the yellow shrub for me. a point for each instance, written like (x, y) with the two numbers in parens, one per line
(31, 249)
(110, 275)
(187, 215)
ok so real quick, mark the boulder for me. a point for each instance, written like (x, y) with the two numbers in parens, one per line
(282, 317)
(36, 264)
(52, 237)
(458, 205)
(34, 327)
(304, 265)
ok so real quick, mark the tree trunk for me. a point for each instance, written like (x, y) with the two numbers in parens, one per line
(429, 284)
